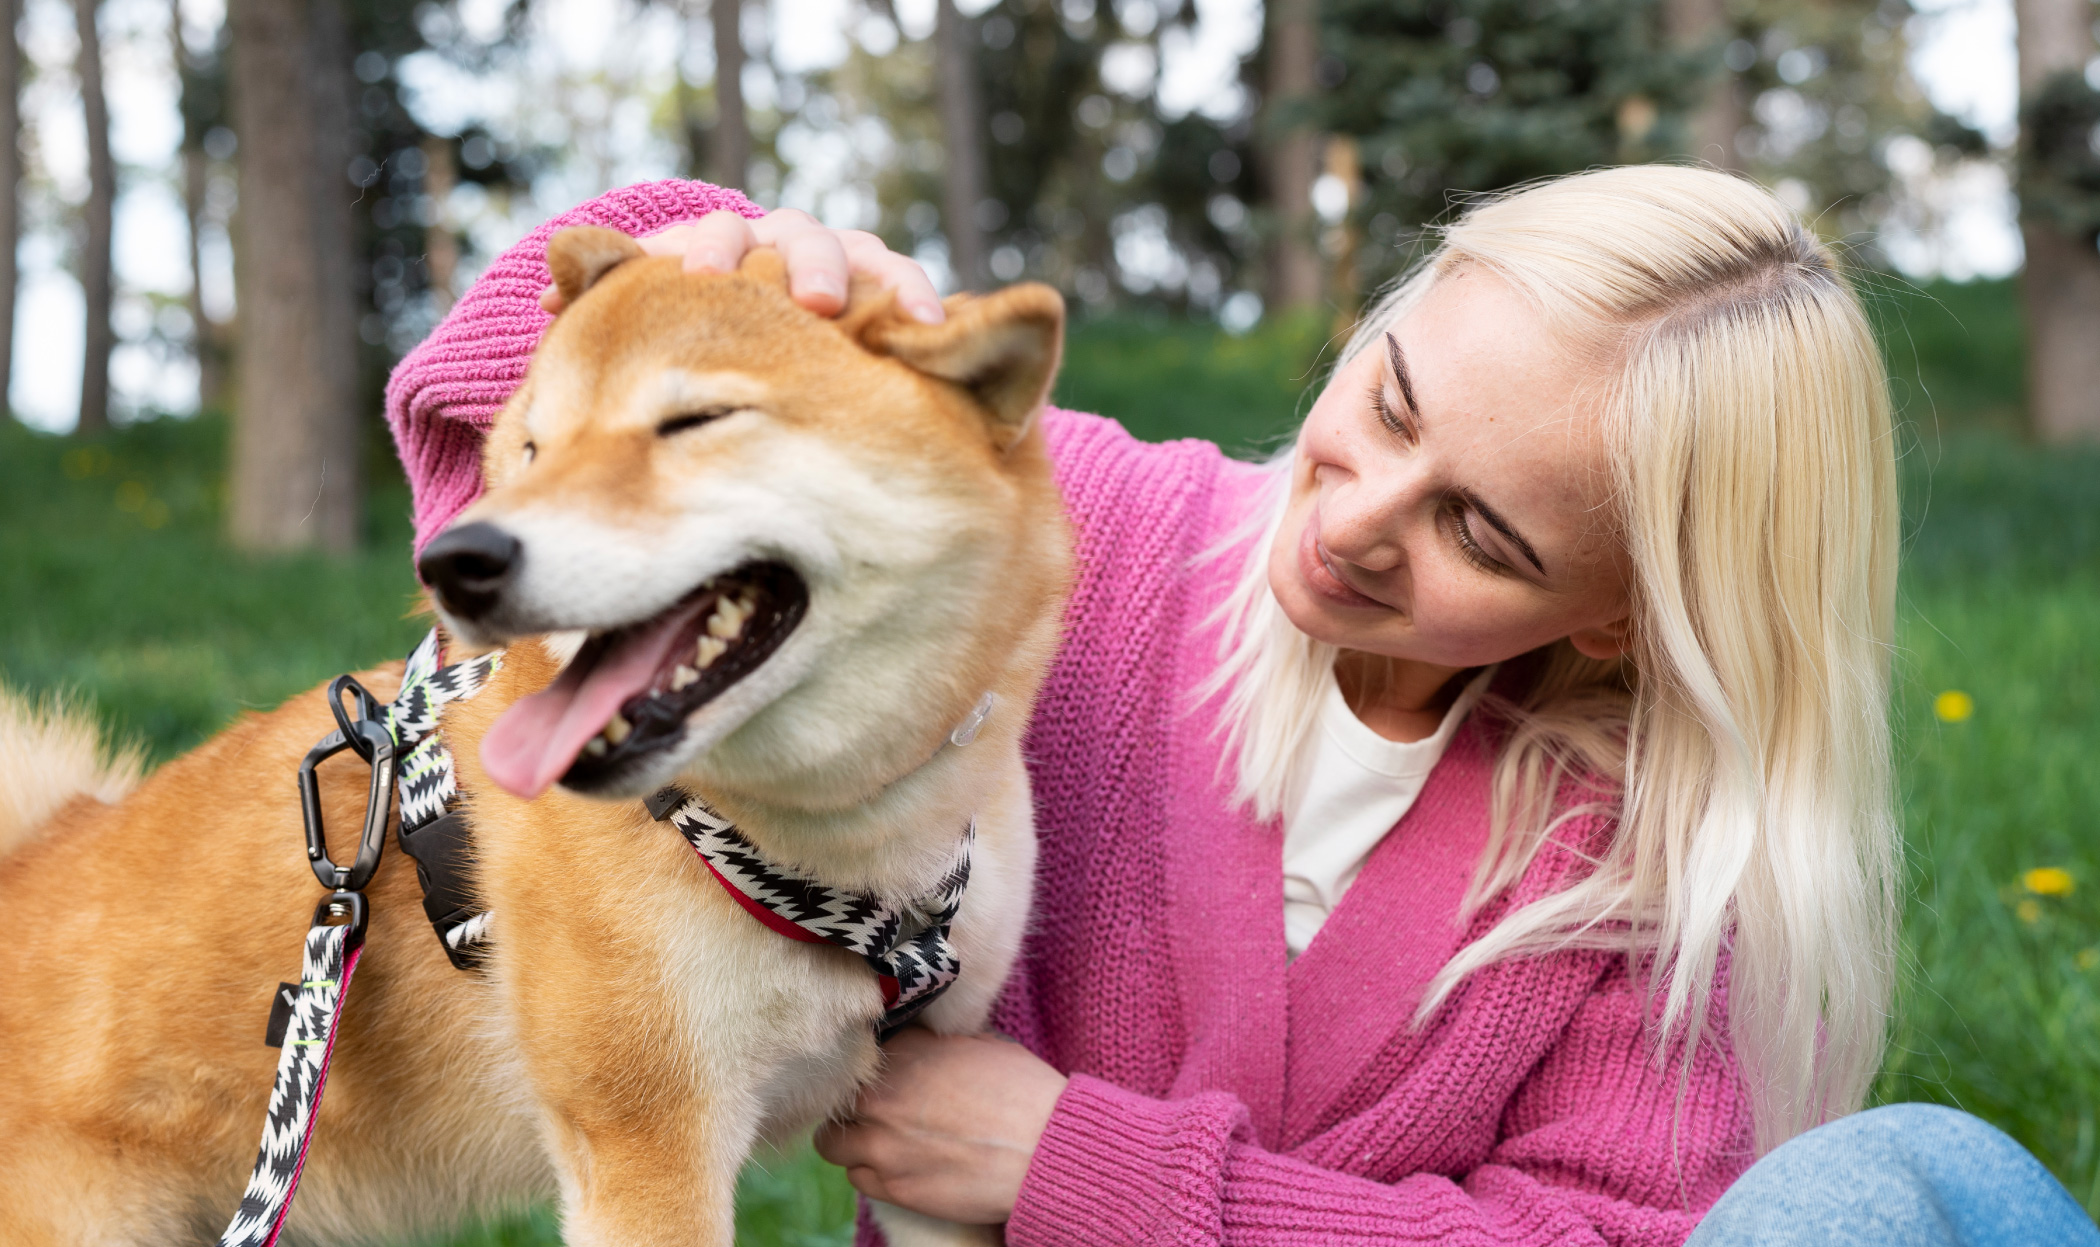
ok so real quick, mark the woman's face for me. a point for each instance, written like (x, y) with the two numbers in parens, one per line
(1449, 498)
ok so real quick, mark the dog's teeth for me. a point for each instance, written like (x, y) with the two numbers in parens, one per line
(617, 729)
(683, 677)
(595, 746)
(726, 622)
(708, 650)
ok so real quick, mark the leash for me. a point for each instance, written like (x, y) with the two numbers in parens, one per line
(907, 945)
(304, 1017)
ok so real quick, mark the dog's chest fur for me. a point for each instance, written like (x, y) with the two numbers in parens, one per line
(780, 1031)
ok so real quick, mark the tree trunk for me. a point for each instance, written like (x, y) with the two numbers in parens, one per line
(2060, 285)
(99, 216)
(294, 474)
(962, 134)
(2060, 288)
(10, 189)
(1344, 162)
(440, 244)
(729, 148)
(207, 337)
(1291, 153)
(1702, 24)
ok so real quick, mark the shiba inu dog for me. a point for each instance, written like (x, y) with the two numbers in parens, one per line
(782, 562)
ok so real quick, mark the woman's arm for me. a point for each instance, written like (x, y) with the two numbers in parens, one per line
(1602, 1144)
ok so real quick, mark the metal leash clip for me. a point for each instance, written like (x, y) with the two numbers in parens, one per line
(368, 737)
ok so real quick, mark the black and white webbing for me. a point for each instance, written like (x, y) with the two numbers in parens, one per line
(295, 1095)
(907, 944)
(428, 789)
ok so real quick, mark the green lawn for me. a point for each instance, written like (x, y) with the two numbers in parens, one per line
(113, 587)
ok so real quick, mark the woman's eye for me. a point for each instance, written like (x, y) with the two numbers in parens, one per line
(1460, 519)
(1383, 409)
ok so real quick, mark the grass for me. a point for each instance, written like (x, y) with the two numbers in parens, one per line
(114, 587)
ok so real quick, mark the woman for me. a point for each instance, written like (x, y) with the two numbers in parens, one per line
(1474, 825)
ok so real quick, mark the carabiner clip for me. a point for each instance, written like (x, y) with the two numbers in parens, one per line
(370, 739)
(368, 707)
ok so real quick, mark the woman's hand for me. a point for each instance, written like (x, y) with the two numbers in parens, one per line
(821, 261)
(950, 1127)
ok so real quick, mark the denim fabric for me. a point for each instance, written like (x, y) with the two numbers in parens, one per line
(1907, 1175)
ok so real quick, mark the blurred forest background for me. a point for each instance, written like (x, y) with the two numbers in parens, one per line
(344, 167)
(213, 519)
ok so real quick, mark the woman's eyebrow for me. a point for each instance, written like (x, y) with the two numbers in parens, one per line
(1398, 359)
(1503, 526)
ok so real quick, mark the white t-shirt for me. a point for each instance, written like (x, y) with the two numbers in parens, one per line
(1356, 785)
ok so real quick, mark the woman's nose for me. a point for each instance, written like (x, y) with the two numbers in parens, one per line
(1362, 523)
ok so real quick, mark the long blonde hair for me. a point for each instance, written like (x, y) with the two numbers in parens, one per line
(1743, 741)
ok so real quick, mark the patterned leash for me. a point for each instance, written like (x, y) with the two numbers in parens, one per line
(303, 1019)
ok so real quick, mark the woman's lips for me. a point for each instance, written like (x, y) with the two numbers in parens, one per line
(1319, 574)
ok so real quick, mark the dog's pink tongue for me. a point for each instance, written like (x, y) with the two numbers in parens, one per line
(534, 742)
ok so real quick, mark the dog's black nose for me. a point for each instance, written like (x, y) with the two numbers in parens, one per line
(468, 566)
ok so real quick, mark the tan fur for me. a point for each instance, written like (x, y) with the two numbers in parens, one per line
(52, 753)
(635, 1031)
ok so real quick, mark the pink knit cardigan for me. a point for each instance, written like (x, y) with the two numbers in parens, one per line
(1221, 1092)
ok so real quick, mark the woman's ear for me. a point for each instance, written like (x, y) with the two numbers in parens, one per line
(1002, 347)
(1606, 641)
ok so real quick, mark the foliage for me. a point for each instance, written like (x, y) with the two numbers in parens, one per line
(1451, 97)
(1077, 166)
(1166, 379)
(114, 586)
(2060, 155)
(1825, 85)
(392, 168)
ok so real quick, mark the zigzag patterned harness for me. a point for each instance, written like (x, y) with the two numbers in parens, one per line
(905, 944)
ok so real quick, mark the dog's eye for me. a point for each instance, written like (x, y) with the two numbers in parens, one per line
(531, 449)
(693, 419)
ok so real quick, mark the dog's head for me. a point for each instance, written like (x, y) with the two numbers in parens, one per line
(799, 548)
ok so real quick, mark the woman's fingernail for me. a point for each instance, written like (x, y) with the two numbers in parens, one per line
(928, 313)
(709, 260)
(821, 282)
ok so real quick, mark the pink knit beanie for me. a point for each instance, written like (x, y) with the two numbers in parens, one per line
(442, 397)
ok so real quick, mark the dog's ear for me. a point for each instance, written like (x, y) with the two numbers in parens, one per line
(580, 255)
(1002, 347)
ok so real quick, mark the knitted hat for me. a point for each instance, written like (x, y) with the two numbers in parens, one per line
(443, 396)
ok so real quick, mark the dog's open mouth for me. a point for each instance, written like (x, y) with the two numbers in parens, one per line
(628, 692)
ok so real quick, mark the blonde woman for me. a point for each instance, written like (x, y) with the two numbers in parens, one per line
(1473, 825)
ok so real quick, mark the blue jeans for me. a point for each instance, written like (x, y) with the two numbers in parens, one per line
(1907, 1175)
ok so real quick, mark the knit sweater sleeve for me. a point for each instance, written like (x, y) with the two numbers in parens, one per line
(1602, 1143)
(444, 393)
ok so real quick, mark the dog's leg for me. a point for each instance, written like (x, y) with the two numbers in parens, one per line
(643, 1184)
(646, 1145)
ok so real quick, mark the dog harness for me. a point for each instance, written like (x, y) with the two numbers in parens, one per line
(906, 944)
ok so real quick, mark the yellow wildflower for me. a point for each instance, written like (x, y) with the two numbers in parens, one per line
(2047, 881)
(1953, 706)
(2030, 911)
(2088, 958)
